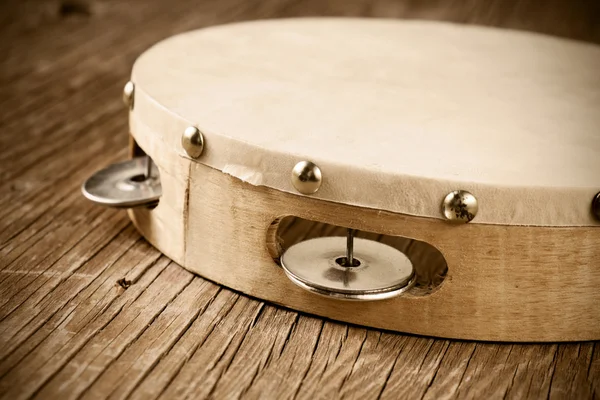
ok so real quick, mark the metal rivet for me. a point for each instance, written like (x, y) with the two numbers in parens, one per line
(306, 177)
(192, 142)
(459, 206)
(596, 206)
(128, 92)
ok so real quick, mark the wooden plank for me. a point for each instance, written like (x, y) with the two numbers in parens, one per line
(129, 370)
(332, 360)
(21, 281)
(200, 374)
(37, 192)
(99, 349)
(292, 364)
(569, 378)
(415, 368)
(264, 341)
(37, 312)
(190, 344)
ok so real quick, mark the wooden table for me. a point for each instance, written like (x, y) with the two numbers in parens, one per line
(89, 309)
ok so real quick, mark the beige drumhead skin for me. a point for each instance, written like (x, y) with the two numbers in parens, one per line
(395, 113)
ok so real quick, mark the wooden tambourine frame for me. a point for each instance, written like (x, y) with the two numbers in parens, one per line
(226, 140)
(504, 283)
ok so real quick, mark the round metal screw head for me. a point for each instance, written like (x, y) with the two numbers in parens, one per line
(128, 92)
(596, 206)
(459, 206)
(192, 142)
(306, 177)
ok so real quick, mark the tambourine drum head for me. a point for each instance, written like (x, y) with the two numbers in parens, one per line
(427, 107)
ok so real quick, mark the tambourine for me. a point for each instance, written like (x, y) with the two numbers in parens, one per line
(482, 143)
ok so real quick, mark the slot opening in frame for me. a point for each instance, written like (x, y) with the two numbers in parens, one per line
(430, 266)
(135, 151)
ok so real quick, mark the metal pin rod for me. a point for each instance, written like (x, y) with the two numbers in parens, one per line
(148, 172)
(350, 248)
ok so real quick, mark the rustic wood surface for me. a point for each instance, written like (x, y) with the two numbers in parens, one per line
(88, 309)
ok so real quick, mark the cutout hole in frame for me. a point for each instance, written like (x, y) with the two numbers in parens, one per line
(136, 151)
(430, 266)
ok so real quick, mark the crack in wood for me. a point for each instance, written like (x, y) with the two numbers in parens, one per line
(257, 315)
(589, 368)
(512, 382)
(553, 370)
(389, 373)
(462, 376)
(314, 350)
(437, 369)
(289, 333)
(354, 363)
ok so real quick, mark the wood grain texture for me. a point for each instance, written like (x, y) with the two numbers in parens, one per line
(69, 329)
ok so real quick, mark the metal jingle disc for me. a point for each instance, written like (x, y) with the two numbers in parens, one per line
(124, 184)
(314, 265)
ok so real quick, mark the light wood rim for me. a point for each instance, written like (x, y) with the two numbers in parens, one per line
(504, 283)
